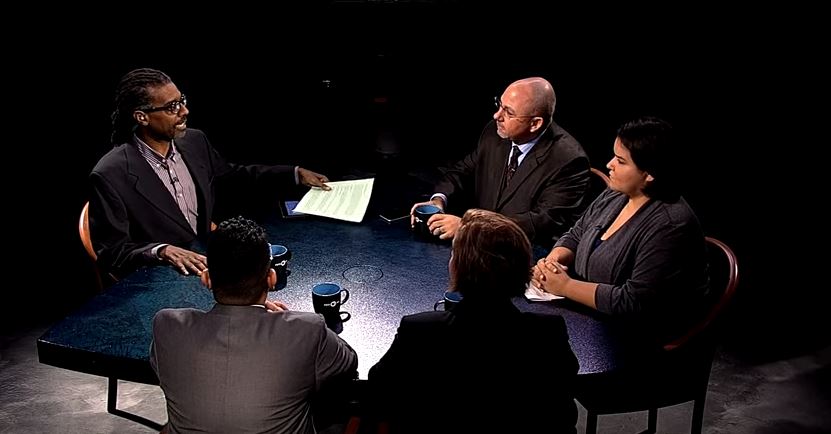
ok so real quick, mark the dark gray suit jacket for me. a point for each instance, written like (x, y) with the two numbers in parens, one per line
(131, 211)
(242, 369)
(479, 368)
(547, 193)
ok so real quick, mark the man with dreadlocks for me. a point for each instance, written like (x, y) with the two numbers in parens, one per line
(153, 193)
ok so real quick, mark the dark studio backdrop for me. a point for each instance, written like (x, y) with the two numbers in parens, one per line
(361, 88)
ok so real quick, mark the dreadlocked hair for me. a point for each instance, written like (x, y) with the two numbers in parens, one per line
(133, 91)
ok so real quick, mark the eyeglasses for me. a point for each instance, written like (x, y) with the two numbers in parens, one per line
(173, 107)
(498, 102)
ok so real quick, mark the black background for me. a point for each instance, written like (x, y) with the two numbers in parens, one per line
(316, 86)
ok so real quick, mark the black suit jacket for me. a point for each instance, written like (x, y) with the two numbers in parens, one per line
(547, 193)
(131, 211)
(477, 369)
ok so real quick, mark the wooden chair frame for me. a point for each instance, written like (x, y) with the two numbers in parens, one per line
(696, 389)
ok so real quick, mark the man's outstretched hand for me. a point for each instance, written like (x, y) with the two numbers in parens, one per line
(312, 179)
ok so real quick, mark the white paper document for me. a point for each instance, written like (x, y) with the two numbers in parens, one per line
(347, 200)
(532, 293)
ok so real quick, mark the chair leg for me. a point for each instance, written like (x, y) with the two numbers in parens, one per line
(652, 421)
(353, 426)
(591, 423)
(698, 415)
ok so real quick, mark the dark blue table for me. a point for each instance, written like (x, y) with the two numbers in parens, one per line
(388, 273)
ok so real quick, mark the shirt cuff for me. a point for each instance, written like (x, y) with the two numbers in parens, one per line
(155, 251)
(297, 175)
(440, 196)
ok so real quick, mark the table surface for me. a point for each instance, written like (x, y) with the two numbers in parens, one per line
(389, 273)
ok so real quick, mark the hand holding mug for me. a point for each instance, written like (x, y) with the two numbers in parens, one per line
(444, 226)
(425, 209)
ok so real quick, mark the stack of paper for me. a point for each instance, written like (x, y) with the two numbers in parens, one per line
(532, 293)
(347, 200)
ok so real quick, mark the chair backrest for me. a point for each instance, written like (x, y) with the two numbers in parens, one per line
(602, 175)
(83, 231)
(730, 279)
(597, 183)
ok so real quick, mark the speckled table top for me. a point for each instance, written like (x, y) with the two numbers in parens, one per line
(388, 272)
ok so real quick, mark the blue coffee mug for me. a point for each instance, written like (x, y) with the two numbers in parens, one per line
(421, 215)
(450, 300)
(327, 299)
(280, 256)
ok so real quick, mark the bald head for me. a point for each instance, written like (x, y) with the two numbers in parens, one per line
(537, 94)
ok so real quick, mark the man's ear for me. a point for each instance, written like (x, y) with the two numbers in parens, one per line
(649, 177)
(140, 117)
(205, 278)
(272, 279)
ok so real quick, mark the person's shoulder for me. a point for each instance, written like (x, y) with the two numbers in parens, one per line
(559, 132)
(565, 141)
(426, 317)
(488, 136)
(114, 159)
(193, 133)
(425, 321)
(677, 213)
(177, 315)
(192, 139)
(605, 198)
(293, 318)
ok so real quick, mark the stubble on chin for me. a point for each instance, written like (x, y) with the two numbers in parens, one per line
(178, 134)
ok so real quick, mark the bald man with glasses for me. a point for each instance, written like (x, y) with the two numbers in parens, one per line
(525, 167)
(153, 193)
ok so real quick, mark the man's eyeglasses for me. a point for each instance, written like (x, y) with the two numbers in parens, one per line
(498, 102)
(173, 107)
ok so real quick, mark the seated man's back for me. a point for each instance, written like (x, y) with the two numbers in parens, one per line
(510, 372)
(483, 366)
(248, 365)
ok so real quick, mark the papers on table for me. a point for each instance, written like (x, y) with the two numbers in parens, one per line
(532, 293)
(347, 200)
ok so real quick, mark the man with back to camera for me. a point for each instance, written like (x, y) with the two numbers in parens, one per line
(153, 194)
(483, 366)
(248, 364)
(525, 167)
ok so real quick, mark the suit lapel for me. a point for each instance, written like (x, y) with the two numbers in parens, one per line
(501, 165)
(526, 169)
(150, 187)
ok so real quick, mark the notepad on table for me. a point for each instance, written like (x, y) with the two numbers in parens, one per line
(532, 293)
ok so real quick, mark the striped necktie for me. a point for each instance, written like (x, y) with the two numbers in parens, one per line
(512, 165)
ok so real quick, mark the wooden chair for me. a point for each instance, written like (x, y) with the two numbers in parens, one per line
(83, 231)
(597, 183)
(601, 175)
(689, 359)
(112, 382)
(86, 240)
